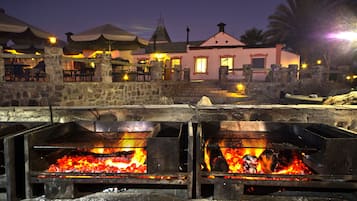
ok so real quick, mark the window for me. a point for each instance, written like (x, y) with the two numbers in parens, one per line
(201, 65)
(175, 62)
(227, 61)
(258, 62)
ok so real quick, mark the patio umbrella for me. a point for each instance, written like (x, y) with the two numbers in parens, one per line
(106, 37)
(20, 32)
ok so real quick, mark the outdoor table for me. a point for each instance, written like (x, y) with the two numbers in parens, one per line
(15, 70)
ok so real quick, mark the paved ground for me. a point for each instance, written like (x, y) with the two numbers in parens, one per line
(127, 196)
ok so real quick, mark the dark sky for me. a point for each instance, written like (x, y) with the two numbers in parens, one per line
(141, 16)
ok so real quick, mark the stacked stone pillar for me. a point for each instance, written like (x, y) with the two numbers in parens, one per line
(52, 59)
(156, 70)
(105, 69)
(223, 73)
(247, 72)
(186, 74)
(293, 72)
(317, 73)
(275, 72)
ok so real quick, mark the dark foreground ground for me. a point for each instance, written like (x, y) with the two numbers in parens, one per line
(157, 196)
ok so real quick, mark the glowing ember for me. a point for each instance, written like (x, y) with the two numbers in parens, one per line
(128, 158)
(256, 159)
(92, 164)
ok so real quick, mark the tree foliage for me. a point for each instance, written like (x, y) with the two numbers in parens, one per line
(253, 37)
(303, 24)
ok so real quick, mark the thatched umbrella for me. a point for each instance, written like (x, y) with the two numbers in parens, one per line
(105, 37)
(21, 33)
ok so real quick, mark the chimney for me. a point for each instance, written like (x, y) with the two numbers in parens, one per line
(69, 34)
(278, 49)
(221, 27)
(187, 35)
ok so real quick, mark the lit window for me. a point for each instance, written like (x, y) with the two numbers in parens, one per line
(201, 65)
(175, 62)
(227, 61)
(258, 62)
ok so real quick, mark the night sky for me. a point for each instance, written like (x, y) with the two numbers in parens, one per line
(141, 17)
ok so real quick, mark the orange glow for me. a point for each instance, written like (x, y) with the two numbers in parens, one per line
(234, 156)
(206, 157)
(253, 157)
(132, 158)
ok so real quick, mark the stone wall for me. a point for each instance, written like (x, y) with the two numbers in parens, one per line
(78, 93)
(53, 91)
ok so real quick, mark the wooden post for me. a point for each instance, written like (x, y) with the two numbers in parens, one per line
(198, 156)
(190, 158)
(28, 186)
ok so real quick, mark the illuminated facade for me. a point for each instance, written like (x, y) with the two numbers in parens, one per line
(204, 58)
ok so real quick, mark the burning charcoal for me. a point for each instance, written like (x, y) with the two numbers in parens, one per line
(219, 164)
(250, 164)
(285, 158)
(268, 161)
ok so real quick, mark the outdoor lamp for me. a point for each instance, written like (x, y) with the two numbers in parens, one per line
(344, 35)
(53, 40)
(126, 77)
(240, 88)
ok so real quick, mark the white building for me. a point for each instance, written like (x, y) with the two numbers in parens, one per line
(204, 58)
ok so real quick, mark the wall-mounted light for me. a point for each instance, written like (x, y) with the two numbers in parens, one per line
(319, 62)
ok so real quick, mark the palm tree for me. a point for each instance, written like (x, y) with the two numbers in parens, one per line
(301, 25)
(253, 37)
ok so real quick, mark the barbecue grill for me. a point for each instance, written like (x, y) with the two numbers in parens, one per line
(65, 160)
(221, 160)
(240, 159)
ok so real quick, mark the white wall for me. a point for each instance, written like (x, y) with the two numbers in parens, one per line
(241, 56)
(289, 58)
